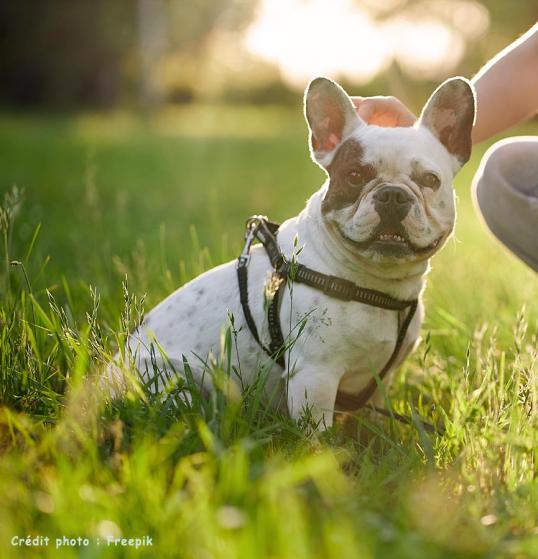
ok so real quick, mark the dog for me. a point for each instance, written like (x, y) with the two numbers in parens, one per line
(386, 208)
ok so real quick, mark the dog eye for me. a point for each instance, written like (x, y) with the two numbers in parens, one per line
(354, 178)
(430, 180)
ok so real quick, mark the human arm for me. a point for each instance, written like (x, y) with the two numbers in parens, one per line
(507, 87)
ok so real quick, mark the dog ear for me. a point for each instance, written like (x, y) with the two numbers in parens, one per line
(449, 115)
(330, 115)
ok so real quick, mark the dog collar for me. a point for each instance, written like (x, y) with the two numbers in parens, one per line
(265, 231)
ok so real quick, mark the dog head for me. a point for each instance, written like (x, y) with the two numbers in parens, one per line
(389, 197)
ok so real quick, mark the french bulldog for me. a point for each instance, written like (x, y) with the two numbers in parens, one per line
(386, 208)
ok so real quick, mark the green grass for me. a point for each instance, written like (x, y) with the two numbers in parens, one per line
(159, 200)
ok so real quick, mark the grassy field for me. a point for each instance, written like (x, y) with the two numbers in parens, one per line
(157, 200)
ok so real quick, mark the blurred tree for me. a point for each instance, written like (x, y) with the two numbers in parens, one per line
(152, 44)
(72, 53)
(63, 53)
(172, 27)
(507, 20)
(66, 53)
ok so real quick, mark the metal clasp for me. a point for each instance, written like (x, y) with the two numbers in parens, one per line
(253, 224)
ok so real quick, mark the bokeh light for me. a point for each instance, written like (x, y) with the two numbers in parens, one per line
(342, 39)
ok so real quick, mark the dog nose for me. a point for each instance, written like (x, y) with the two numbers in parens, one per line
(393, 202)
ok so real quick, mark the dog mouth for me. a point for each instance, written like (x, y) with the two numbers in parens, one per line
(392, 241)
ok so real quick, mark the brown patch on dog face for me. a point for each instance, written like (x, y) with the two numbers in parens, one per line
(347, 176)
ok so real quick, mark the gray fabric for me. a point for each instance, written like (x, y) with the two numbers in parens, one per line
(505, 191)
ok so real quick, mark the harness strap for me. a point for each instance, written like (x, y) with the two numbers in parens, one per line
(339, 288)
(242, 277)
(276, 347)
(346, 290)
(260, 228)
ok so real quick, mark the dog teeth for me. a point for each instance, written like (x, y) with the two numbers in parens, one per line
(391, 237)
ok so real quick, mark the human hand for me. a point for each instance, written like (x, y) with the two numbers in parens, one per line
(383, 111)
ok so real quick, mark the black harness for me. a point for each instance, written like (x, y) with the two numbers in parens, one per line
(265, 231)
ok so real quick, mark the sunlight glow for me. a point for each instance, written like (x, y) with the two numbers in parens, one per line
(340, 39)
(424, 45)
(306, 38)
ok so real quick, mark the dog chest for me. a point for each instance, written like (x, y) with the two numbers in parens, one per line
(366, 345)
(353, 338)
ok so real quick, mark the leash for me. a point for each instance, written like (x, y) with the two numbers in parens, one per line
(265, 231)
